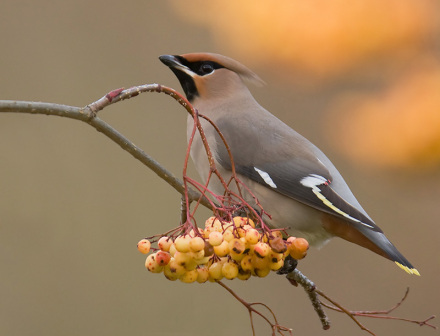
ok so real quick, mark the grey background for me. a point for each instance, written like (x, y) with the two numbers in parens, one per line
(73, 205)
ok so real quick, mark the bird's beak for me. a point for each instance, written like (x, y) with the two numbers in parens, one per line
(170, 61)
(174, 63)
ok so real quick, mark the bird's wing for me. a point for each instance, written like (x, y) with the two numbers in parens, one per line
(285, 168)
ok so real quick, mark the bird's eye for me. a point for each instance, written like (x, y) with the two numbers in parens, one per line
(206, 68)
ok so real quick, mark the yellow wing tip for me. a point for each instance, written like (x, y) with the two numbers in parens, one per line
(407, 269)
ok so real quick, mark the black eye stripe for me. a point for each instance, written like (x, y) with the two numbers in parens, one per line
(197, 66)
(187, 80)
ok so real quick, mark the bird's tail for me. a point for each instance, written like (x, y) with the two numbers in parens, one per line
(389, 250)
(371, 238)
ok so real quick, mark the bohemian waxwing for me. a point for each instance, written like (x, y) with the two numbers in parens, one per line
(292, 179)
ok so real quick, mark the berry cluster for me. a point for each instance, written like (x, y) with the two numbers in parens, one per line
(235, 249)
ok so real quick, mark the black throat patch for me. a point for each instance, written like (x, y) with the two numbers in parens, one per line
(187, 83)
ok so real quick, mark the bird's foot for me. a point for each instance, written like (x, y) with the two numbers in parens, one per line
(289, 265)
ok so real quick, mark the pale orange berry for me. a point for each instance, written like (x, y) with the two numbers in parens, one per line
(144, 246)
(215, 238)
(223, 260)
(152, 265)
(209, 221)
(298, 248)
(170, 275)
(242, 221)
(261, 272)
(207, 232)
(189, 276)
(197, 255)
(258, 262)
(182, 258)
(275, 257)
(203, 261)
(261, 249)
(297, 255)
(165, 243)
(202, 274)
(251, 222)
(290, 240)
(175, 268)
(276, 265)
(196, 232)
(217, 225)
(230, 270)
(192, 265)
(252, 236)
(172, 250)
(222, 250)
(163, 258)
(301, 244)
(236, 257)
(182, 243)
(246, 263)
(215, 271)
(196, 244)
(247, 227)
(249, 248)
(243, 275)
(236, 245)
(228, 235)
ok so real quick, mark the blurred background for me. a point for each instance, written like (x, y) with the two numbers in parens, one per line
(360, 79)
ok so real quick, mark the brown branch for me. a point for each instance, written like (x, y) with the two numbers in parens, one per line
(310, 289)
(88, 114)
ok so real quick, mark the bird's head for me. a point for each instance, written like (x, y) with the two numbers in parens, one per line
(208, 76)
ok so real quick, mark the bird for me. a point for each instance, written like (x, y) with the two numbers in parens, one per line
(292, 179)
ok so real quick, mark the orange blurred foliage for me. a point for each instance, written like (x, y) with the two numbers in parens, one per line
(321, 42)
(399, 127)
(319, 38)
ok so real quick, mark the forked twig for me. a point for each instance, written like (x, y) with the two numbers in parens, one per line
(379, 314)
(314, 294)
(276, 327)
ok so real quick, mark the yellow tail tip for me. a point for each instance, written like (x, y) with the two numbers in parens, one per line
(407, 269)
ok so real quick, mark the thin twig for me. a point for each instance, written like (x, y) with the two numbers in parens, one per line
(276, 327)
(344, 310)
(318, 305)
(379, 314)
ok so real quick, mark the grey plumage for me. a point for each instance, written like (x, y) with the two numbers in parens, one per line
(293, 180)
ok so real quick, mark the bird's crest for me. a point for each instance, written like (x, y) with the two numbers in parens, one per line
(244, 72)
